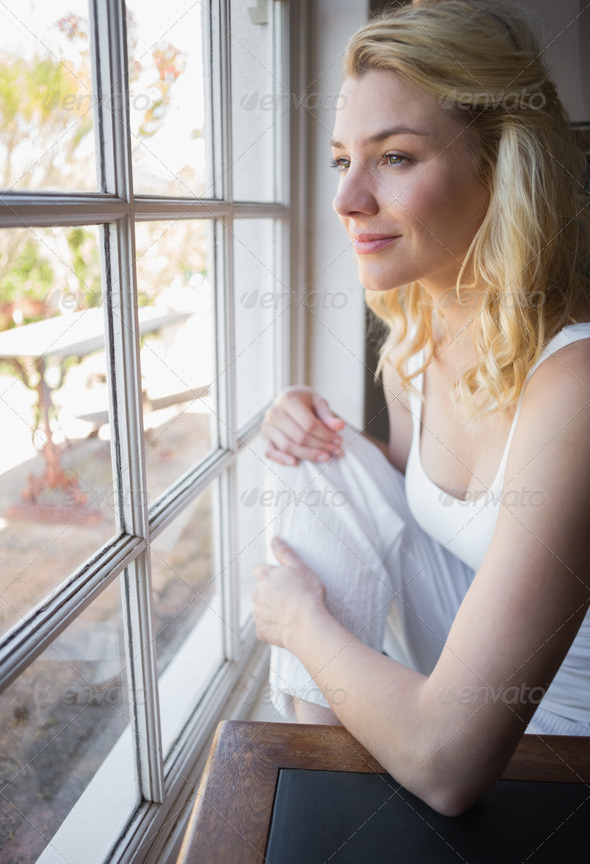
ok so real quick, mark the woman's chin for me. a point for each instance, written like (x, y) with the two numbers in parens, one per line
(377, 286)
(376, 280)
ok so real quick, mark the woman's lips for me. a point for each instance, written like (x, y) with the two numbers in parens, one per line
(366, 243)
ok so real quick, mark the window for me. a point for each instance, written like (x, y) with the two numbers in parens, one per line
(145, 324)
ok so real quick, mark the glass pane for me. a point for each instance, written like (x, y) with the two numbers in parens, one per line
(258, 100)
(187, 610)
(169, 129)
(252, 512)
(174, 276)
(46, 100)
(56, 487)
(61, 721)
(259, 306)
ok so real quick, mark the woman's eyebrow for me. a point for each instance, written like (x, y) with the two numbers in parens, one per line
(381, 136)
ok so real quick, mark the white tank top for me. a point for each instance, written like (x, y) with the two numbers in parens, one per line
(465, 527)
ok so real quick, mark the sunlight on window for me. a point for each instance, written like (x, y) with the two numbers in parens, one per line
(166, 99)
(46, 99)
(174, 275)
(56, 483)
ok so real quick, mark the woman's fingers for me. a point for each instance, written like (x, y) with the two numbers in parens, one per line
(287, 437)
(286, 445)
(302, 412)
(261, 570)
(300, 425)
(325, 415)
(284, 554)
(277, 455)
(297, 435)
(285, 593)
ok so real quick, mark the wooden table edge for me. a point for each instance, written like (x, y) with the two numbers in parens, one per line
(246, 757)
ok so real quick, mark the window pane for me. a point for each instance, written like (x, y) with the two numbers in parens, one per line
(60, 721)
(46, 100)
(56, 491)
(258, 100)
(187, 610)
(169, 129)
(174, 275)
(259, 306)
(252, 512)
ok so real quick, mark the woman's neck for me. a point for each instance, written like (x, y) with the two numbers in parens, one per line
(453, 331)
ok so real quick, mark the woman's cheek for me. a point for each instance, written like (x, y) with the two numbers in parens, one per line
(439, 210)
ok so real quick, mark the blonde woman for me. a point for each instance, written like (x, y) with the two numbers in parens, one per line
(434, 597)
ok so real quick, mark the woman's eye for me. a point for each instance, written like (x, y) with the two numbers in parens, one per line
(394, 159)
(341, 164)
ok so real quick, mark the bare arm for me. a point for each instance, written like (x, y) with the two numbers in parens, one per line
(442, 736)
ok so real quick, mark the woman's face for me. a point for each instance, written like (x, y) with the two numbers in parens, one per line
(408, 194)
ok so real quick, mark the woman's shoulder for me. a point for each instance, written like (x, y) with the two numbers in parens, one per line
(556, 403)
(565, 360)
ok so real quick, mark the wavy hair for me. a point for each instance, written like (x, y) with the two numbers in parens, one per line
(531, 253)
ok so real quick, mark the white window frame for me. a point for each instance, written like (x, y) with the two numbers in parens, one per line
(165, 788)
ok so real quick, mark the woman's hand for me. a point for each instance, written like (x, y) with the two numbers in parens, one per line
(299, 425)
(286, 595)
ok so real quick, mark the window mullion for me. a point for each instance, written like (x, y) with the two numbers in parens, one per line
(285, 17)
(143, 678)
(123, 346)
(297, 50)
(282, 338)
(129, 470)
(227, 556)
(227, 402)
(214, 36)
(224, 270)
(224, 126)
(227, 420)
(18, 209)
(110, 85)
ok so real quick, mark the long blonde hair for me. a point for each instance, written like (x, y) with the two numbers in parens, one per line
(532, 250)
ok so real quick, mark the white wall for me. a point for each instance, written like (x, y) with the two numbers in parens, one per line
(336, 320)
(567, 41)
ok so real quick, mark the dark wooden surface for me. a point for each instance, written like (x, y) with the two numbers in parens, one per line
(550, 758)
(231, 816)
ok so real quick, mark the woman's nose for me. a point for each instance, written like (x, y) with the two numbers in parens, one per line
(356, 193)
